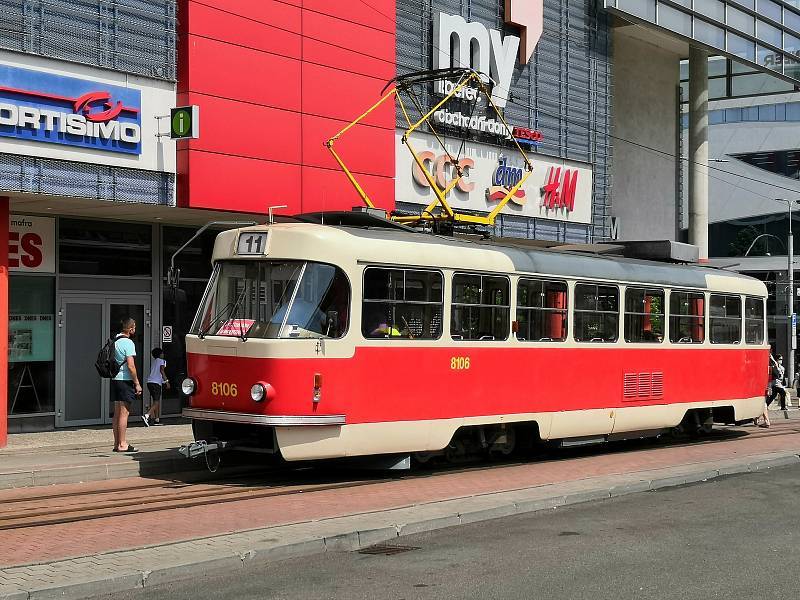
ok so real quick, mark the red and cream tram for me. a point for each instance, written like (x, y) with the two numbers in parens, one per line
(321, 341)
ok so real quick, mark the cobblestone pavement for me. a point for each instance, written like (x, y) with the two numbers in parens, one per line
(123, 552)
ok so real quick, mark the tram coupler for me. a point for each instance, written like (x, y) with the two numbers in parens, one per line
(202, 447)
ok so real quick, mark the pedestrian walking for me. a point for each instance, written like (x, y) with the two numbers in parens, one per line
(125, 385)
(156, 380)
(777, 372)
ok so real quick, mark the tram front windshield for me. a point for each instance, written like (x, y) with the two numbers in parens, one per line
(274, 299)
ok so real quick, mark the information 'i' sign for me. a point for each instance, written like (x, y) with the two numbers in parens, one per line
(184, 122)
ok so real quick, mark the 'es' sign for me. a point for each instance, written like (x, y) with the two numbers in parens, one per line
(558, 193)
(42, 107)
(32, 244)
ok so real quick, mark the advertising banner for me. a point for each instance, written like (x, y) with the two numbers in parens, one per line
(32, 244)
(44, 107)
(556, 189)
(30, 338)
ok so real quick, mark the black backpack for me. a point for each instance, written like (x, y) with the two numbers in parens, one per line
(105, 364)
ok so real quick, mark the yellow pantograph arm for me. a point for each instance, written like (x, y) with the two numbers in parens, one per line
(329, 145)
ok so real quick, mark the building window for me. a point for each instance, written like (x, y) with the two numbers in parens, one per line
(402, 303)
(781, 162)
(104, 248)
(31, 344)
(754, 320)
(596, 313)
(725, 319)
(541, 310)
(644, 315)
(480, 307)
(687, 318)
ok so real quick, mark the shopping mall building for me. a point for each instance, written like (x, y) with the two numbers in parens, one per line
(98, 195)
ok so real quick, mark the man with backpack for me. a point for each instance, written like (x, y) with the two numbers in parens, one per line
(125, 384)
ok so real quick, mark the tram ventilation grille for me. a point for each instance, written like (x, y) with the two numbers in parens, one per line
(642, 386)
(630, 385)
(387, 549)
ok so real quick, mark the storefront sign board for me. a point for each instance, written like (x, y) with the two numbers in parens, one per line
(556, 189)
(43, 107)
(32, 244)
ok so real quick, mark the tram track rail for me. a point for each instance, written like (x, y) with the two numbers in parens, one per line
(153, 499)
(36, 510)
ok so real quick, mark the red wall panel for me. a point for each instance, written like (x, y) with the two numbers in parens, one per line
(269, 133)
(281, 13)
(279, 35)
(242, 184)
(372, 14)
(326, 189)
(222, 69)
(337, 94)
(348, 46)
(363, 149)
(274, 80)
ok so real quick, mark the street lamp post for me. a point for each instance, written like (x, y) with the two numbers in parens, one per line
(790, 326)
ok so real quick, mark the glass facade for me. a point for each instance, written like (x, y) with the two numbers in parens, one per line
(732, 79)
(786, 112)
(31, 345)
(763, 33)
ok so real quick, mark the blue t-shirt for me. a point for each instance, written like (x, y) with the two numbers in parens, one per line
(123, 348)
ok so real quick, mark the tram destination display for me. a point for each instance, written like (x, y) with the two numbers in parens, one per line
(251, 243)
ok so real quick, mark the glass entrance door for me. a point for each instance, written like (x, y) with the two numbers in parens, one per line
(84, 325)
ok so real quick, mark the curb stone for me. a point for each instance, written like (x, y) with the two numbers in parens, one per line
(354, 532)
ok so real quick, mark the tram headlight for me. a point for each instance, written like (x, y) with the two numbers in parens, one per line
(258, 392)
(188, 386)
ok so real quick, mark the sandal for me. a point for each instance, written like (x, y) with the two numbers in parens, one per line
(128, 449)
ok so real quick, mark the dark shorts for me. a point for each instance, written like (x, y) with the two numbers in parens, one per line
(122, 391)
(155, 392)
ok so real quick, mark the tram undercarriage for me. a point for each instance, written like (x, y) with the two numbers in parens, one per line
(468, 443)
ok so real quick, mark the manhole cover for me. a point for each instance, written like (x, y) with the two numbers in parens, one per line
(387, 549)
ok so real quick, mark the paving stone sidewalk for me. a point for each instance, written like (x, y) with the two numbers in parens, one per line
(76, 455)
(142, 567)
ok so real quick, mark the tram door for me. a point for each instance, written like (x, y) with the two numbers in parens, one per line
(84, 325)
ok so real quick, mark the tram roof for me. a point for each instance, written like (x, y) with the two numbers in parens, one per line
(346, 245)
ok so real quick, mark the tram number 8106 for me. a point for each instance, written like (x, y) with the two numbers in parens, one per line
(219, 388)
(459, 363)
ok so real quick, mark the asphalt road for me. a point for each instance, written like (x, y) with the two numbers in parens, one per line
(731, 538)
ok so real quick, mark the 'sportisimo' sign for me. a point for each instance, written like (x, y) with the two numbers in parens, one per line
(56, 109)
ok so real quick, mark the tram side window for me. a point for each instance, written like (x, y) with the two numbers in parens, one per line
(596, 313)
(541, 310)
(481, 307)
(402, 304)
(687, 317)
(754, 320)
(725, 319)
(644, 315)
